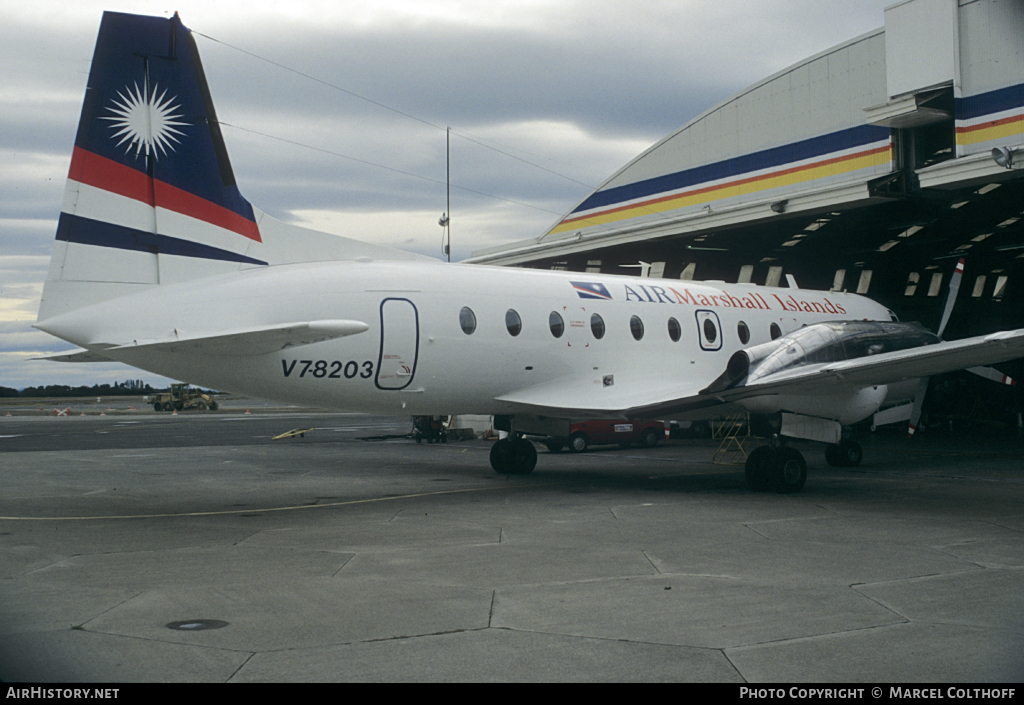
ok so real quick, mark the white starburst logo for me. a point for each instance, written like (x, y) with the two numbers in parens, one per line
(147, 123)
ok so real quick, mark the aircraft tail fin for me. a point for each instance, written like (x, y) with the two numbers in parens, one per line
(151, 198)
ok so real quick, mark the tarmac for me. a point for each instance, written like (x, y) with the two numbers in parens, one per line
(144, 547)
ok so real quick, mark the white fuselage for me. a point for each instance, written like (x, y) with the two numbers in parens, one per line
(416, 358)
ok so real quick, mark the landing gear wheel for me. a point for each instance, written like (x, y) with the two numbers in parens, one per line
(788, 471)
(782, 470)
(513, 456)
(649, 439)
(578, 442)
(524, 457)
(756, 470)
(847, 454)
(499, 456)
(852, 453)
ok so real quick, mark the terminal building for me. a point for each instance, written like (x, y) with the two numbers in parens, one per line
(870, 167)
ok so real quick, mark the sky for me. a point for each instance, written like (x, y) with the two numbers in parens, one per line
(336, 114)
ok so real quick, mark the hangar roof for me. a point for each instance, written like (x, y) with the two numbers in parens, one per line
(876, 140)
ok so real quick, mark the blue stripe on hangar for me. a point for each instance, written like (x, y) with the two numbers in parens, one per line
(982, 104)
(765, 159)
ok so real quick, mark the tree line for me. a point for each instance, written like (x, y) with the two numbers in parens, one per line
(131, 387)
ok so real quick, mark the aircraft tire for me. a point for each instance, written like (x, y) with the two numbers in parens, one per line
(523, 457)
(757, 469)
(788, 470)
(847, 454)
(578, 442)
(513, 457)
(851, 452)
(499, 456)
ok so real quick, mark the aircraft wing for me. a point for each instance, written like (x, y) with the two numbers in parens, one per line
(258, 340)
(574, 398)
(578, 399)
(887, 368)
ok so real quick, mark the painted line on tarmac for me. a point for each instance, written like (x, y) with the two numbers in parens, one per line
(292, 508)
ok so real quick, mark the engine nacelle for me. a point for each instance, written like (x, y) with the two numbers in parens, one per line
(818, 344)
(846, 407)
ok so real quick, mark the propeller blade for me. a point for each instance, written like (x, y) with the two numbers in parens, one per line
(915, 414)
(954, 287)
(992, 374)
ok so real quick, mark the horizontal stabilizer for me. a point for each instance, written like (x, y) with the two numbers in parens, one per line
(258, 340)
(76, 356)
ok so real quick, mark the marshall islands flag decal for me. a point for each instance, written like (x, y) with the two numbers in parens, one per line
(591, 290)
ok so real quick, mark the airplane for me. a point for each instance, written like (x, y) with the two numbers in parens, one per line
(159, 262)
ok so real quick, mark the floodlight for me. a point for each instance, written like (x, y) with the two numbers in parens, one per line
(1003, 156)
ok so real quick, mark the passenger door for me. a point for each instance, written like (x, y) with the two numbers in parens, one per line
(399, 344)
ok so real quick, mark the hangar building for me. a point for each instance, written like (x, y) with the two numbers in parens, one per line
(868, 167)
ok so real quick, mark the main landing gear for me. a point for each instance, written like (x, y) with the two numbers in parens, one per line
(776, 468)
(779, 468)
(513, 456)
(846, 454)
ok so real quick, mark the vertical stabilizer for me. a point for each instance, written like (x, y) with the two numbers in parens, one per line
(150, 197)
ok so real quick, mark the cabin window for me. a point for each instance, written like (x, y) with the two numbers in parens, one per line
(775, 331)
(597, 326)
(636, 327)
(556, 324)
(467, 319)
(710, 332)
(675, 331)
(743, 332)
(513, 322)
